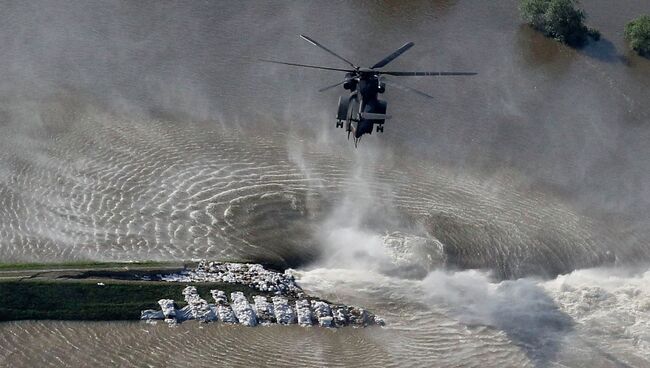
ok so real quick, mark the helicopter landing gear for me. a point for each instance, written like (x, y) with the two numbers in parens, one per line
(380, 128)
(339, 123)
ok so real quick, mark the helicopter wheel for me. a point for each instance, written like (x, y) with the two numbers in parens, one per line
(380, 128)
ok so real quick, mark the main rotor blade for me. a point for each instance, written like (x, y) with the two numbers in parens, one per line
(330, 87)
(393, 56)
(328, 50)
(423, 74)
(405, 88)
(305, 65)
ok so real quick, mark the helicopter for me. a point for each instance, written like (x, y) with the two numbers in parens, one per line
(362, 109)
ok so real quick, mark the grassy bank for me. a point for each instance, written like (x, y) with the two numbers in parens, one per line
(85, 300)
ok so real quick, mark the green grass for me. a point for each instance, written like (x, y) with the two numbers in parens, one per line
(85, 300)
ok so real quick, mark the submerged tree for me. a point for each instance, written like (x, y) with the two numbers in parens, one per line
(637, 33)
(560, 19)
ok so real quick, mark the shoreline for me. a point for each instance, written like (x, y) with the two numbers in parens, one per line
(244, 293)
(96, 291)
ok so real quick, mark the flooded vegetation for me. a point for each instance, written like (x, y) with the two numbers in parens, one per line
(637, 33)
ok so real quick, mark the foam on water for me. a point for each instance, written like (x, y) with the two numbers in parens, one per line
(598, 316)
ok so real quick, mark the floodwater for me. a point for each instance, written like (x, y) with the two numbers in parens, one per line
(503, 223)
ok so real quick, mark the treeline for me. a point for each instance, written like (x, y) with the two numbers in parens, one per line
(564, 21)
(637, 33)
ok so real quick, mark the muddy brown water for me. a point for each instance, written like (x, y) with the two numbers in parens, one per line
(148, 131)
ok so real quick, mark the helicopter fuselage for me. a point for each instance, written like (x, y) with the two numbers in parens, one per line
(364, 87)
